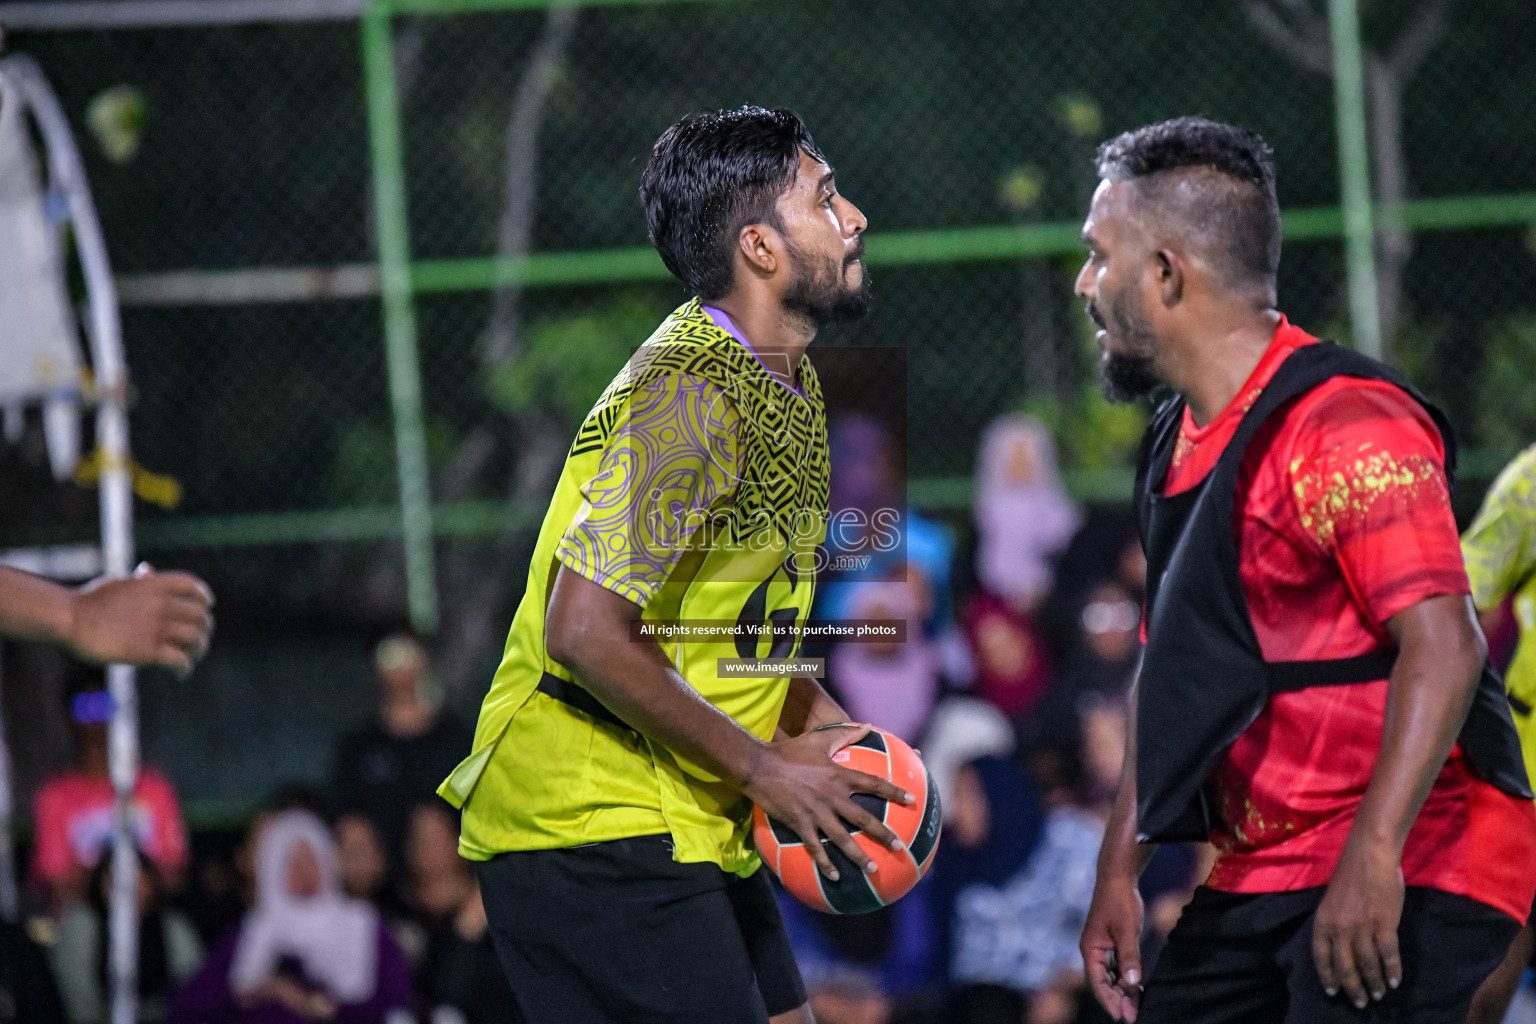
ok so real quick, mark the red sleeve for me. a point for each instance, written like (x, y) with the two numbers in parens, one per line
(51, 856)
(170, 835)
(1366, 468)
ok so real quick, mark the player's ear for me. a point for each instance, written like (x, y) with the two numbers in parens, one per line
(1169, 271)
(760, 244)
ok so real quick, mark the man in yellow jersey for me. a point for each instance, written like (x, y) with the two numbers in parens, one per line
(1500, 549)
(616, 761)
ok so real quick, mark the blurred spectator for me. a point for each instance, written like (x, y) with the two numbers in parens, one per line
(361, 860)
(1012, 666)
(1023, 515)
(1108, 646)
(1101, 665)
(1023, 520)
(215, 898)
(362, 864)
(169, 949)
(73, 810)
(869, 516)
(1105, 552)
(441, 881)
(849, 998)
(305, 952)
(867, 964)
(459, 980)
(891, 685)
(1015, 947)
(993, 821)
(401, 756)
(962, 730)
(27, 991)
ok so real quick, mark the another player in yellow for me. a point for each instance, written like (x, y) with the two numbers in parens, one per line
(1500, 549)
(609, 791)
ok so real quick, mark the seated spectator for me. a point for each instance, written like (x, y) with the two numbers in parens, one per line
(73, 810)
(384, 767)
(361, 860)
(440, 881)
(1023, 515)
(27, 991)
(1023, 520)
(363, 867)
(849, 998)
(1015, 946)
(861, 966)
(1106, 549)
(169, 949)
(1101, 665)
(891, 685)
(993, 822)
(459, 980)
(1012, 668)
(869, 520)
(305, 952)
(1108, 644)
(961, 730)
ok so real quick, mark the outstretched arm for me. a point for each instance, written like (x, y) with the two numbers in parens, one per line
(150, 619)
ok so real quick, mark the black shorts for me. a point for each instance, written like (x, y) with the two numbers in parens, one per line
(620, 933)
(1236, 957)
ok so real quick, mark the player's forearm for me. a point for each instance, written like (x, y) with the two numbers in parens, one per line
(32, 608)
(808, 706)
(637, 683)
(1439, 662)
(1120, 855)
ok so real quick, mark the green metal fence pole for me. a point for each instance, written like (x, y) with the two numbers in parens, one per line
(399, 310)
(1354, 175)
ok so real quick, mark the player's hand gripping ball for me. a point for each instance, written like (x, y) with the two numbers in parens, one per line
(916, 824)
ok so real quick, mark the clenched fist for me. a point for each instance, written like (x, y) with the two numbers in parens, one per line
(149, 619)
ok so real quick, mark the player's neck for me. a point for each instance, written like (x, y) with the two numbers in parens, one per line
(777, 336)
(1211, 366)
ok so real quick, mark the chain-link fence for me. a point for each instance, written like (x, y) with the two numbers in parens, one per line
(232, 168)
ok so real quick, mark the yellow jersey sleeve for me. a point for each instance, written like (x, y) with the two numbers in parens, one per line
(1500, 546)
(675, 456)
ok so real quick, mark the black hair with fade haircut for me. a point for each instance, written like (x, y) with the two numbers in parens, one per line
(709, 176)
(1234, 209)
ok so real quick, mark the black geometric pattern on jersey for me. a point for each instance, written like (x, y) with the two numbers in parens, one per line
(784, 464)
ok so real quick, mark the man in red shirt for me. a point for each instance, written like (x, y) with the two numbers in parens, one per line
(1313, 698)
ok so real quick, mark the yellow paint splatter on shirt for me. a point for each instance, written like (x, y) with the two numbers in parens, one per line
(1333, 491)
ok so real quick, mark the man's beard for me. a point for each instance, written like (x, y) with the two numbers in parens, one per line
(818, 291)
(1127, 376)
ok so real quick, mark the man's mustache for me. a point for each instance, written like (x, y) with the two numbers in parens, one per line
(1092, 309)
(856, 254)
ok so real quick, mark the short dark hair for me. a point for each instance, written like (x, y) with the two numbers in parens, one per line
(709, 176)
(1238, 213)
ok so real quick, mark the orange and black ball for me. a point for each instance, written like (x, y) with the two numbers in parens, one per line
(916, 824)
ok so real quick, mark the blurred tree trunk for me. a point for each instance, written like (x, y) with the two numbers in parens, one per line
(1300, 32)
(478, 574)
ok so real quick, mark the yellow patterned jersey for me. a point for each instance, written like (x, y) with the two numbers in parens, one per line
(697, 489)
(1500, 548)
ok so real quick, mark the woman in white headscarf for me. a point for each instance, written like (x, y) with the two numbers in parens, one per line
(1023, 519)
(1023, 515)
(305, 952)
